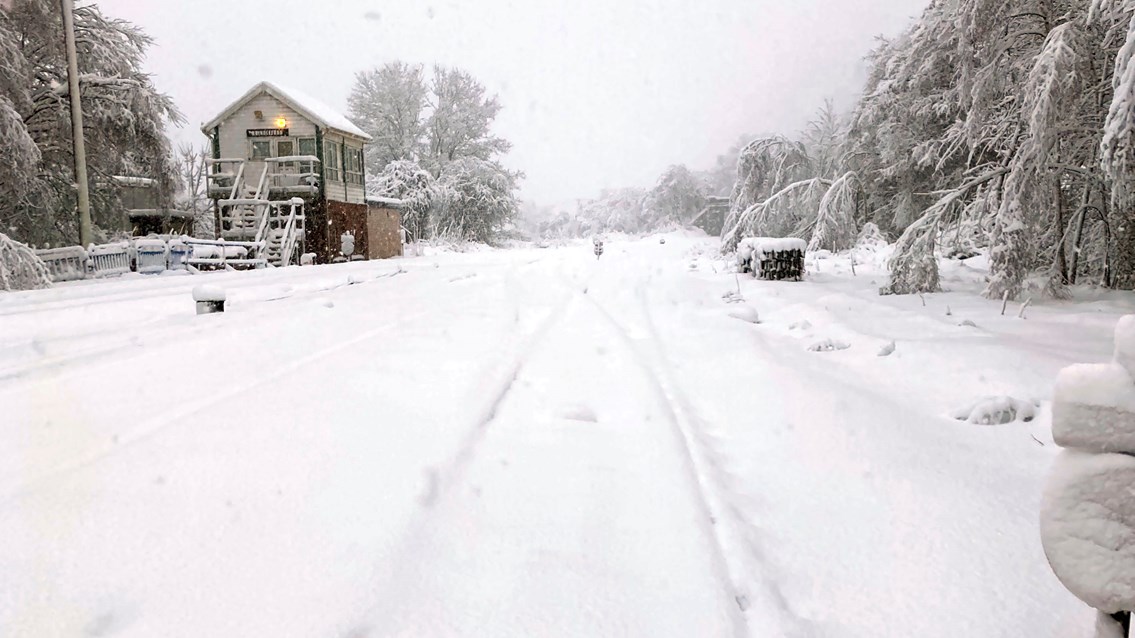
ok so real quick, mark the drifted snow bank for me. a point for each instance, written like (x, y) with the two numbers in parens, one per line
(1088, 509)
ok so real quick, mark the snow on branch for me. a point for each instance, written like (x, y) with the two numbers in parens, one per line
(914, 266)
(835, 219)
(1118, 145)
(1048, 92)
(20, 268)
(758, 217)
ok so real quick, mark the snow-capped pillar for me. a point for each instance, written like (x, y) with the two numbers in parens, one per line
(210, 299)
(1087, 520)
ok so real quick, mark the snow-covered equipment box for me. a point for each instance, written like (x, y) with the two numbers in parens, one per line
(775, 258)
(1087, 519)
(210, 299)
(151, 255)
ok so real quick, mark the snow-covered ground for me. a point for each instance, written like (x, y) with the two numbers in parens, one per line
(532, 443)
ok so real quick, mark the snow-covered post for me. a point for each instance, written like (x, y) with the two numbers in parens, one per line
(1087, 520)
(209, 299)
(85, 236)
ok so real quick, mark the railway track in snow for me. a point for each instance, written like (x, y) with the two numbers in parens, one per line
(731, 516)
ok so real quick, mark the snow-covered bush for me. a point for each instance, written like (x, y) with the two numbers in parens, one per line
(419, 192)
(20, 268)
(996, 411)
(828, 345)
(1087, 517)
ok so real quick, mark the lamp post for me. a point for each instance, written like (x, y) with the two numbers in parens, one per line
(85, 238)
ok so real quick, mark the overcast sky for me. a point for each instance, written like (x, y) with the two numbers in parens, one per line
(596, 93)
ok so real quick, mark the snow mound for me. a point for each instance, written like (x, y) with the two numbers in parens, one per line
(1094, 408)
(1125, 343)
(745, 313)
(204, 292)
(887, 350)
(801, 325)
(1087, 526)
(828, 345)
(997, 411)
(578, 412)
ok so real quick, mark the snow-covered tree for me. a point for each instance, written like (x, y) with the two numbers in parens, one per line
(423, 127)
(193, 197)
(388, 103)
(615, 210)
(124, 119)
(996, 108)
(677, 197)
(460, 120)
(416, 187)
(478, 200)
(805, 188)
(1118, 140)
(20, 268)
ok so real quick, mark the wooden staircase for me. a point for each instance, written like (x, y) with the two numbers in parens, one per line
(263, 217)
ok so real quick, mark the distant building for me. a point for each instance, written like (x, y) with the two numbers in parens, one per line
(274, 144)
(145, 215)
(712, 218)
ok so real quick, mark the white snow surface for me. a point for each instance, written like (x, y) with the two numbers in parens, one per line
(205, 292)
(1088, 527)
(388, 448)
(1094, 408)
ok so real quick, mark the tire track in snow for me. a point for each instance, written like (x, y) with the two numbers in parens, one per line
(442, 483)
(440, 480)
(742, 562)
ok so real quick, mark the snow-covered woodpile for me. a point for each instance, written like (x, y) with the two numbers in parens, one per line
(774, 258)
(1088, 511)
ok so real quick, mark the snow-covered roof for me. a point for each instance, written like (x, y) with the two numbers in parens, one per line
(312, 108)
(126, 180)
(385, 201)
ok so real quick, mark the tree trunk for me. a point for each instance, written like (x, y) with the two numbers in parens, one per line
(1061, 235)
(1078, 235)
(1123, 233)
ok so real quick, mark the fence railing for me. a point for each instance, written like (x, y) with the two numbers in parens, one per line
(65, 264)
(109, 259)
(147, 255)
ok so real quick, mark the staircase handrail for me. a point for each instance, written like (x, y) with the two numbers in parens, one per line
(263, 225)
(289, 244)
(237, 181)
(263, 181)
